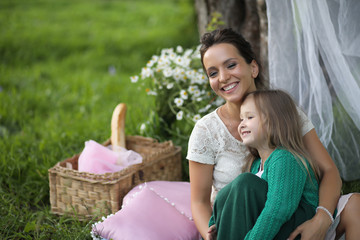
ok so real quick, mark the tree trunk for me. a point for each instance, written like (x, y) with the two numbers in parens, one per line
(247, 17)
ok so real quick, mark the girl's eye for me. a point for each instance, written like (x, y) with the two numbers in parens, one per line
(250, 117)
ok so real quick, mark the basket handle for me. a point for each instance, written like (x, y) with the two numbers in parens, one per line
(118, 126)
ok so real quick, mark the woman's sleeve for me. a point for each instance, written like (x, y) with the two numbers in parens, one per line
(286, 181)
(307, 125)
(201, 145)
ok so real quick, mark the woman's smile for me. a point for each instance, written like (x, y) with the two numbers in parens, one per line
(230, 87)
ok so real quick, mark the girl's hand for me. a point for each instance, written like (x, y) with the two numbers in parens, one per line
(211, 234)
(315, 228)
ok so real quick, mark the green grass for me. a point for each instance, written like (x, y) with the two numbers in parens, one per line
(56, 91)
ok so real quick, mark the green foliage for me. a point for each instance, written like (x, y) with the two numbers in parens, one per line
(351, 186)
(64, 66)
(344, 136)
(215, 22)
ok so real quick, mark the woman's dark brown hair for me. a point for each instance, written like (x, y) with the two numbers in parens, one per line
(229, 36)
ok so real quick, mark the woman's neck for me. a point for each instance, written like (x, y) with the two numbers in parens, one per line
(230, 115)
(232, 111)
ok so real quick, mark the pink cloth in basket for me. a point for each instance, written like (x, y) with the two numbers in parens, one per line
(96, 158)
(154, 210)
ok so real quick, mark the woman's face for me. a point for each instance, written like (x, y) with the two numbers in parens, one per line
(229, 75)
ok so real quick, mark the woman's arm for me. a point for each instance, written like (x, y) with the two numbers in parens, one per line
(329, 189)
(201, 178)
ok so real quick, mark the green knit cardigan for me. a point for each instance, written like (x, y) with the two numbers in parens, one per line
(288, 184)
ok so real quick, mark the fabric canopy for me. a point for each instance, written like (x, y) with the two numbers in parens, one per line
(314, 54)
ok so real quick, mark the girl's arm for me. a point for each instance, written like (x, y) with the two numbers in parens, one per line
(201, 179)
(329, 189)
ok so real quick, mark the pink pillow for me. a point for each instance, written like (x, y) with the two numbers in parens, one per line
(154, 210)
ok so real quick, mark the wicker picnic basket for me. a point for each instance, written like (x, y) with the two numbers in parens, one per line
(88, 195)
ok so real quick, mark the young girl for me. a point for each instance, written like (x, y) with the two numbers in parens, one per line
(284, 194)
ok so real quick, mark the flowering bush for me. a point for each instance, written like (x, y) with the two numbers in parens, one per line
(181, 90)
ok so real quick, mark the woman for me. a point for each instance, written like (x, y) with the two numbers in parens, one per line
(216, 155)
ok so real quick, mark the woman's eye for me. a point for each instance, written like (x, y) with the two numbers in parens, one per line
(250, 117)
(231, 65)
(212, 74)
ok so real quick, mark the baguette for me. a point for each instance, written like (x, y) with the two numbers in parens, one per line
(118, 127)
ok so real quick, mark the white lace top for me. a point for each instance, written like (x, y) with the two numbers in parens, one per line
(211, 143)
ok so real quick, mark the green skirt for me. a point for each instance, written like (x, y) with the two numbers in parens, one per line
(238, 205)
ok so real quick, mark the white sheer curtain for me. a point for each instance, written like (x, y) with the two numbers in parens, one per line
(314, 54)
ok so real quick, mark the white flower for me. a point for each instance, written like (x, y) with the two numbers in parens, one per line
(184, 94)
(179, 74)
(167, 51)
(172, 56)
(146, 72)
(202, 78)
(196, 93)
(155, 58)
(168, 72)
(143, 128)
(179, 60)
(188, 52)
(170, 85)
(179, 115)
(179, 70)
(205, 109)
(196, 117)
(179, 49)
(179, 102)
(163, 62)
(199, 78)
(196, 53)
(134, 79)
(191, 73)
(192, 89)
(186, 61)
(150, 63)
(151, 93)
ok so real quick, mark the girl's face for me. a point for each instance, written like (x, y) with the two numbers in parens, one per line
(250, 128)
(229, 75)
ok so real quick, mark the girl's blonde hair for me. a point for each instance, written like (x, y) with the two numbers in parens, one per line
(282, 124)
